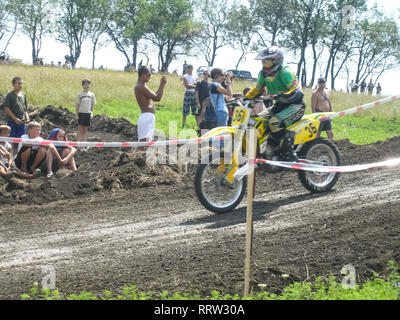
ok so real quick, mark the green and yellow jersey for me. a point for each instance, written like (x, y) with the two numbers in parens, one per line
(284, 82)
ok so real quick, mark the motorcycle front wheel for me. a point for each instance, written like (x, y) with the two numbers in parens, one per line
(323, 152)
(213, 190)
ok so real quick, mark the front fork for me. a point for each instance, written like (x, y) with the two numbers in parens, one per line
(238, 140)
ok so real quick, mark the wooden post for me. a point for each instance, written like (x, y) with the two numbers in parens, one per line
(251, 147)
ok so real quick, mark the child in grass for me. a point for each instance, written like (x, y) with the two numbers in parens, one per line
(84, 110)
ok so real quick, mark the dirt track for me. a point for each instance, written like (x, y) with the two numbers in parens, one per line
(105, 232)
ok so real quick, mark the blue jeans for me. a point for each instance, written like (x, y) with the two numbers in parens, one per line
(16, 130)
(222, 118)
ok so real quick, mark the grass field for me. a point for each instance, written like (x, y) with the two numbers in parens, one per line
(115, 98)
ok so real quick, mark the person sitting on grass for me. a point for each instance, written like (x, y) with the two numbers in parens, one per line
(30, 157)
(66, 153)
(7, 170)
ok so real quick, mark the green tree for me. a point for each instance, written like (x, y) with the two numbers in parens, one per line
(303, 30)
(171, 28)
(34, 17)
(100, 17)
(8, 25)
(270, 18)
(339, 36)
(127, 26)
(377, 45)
(73, 25)
(214, 21)
(240, 32)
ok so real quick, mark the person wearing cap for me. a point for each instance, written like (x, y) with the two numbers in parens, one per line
(189, 100)
(321, 102)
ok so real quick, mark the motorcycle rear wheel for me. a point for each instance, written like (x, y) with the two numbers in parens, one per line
(214, 191)
(325, 152)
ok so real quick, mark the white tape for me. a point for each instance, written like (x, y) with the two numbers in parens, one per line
(240, 173)
(112, 144)
(360, 108)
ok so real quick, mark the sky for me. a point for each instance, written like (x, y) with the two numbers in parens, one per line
(226, 58)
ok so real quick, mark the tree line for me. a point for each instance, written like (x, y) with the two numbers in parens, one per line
(326, 37)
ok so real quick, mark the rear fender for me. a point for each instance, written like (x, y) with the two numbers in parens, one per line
(307, 128)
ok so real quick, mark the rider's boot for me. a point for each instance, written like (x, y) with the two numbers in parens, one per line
(287, 147)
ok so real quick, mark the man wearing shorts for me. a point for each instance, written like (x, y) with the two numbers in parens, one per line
(321, 102)
(145, 98)
(189, 100)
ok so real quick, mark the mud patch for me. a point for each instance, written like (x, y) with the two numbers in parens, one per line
(98, 169)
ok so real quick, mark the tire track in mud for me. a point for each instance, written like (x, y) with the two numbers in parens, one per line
(156, 232)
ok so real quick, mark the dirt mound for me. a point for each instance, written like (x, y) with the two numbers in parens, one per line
(98, 169)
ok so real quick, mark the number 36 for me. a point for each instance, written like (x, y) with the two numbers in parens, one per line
(311, 129)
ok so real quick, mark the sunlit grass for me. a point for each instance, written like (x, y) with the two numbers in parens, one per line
(115, 98)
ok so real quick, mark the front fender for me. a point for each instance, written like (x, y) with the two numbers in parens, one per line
(219, 131)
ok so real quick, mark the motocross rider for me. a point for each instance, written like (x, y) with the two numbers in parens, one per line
(283, 87)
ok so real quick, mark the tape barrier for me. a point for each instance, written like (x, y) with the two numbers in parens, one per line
(112, 144)
(360, 108)
(303, 165)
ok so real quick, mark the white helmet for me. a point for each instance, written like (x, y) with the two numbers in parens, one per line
(272, 59)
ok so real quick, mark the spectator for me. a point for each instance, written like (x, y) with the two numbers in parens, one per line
(370, 87)
(184, 68)
(353, 86)
(145, 98)
(208, 116)
(15, 107)
(66, 154)
(189, 100)
(7, 170)
(378, 89)
(30, 157)
(84, 110)
(217, 93)
(321, 102)
(202, 92)
(363, 86)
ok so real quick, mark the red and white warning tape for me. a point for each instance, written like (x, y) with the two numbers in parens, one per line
(303, 165)
(112, 144)
(360, 108)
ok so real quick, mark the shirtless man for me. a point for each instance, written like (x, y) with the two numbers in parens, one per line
(321, 102)
(145, 98)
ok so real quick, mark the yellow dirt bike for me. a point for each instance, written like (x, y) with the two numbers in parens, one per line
(220, 191)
